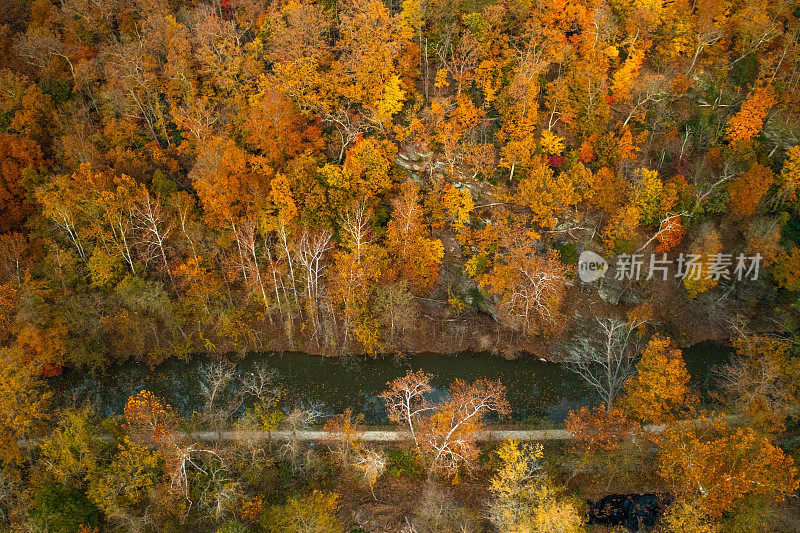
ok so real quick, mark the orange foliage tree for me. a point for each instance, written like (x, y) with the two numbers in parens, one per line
(20, 157)
(747, 190)
(529, 287)
(670, 233)
(599, 429)
(149, 418)
(447, 436)
(415, 256)
(547, 194)
(719, 466)
(229, 182)
(746, 124)
(659, 391)
(444, 433)
(405, 399)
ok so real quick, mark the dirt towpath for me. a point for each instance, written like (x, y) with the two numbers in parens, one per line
(399, 436)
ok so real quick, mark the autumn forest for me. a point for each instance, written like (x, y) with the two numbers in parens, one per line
(204, 180)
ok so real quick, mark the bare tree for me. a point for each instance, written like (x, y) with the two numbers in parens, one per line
(762, 379)
(653, 88)
(154, 228)
(536, 296)
(438, 510)
(184, 207)
(9, 490)
(460, 56)
(132, 90)
(343, 439)
(63, 210)
(247, 242)
(262, 384)
(277, 274)
(603, 353)
(199, 117)
(707, 36)
(13, 257)
(215, 379)
(372, 464)
(311, 254)
(287, 252)
(348, 125)
(396, 308)
(301, 416)
(216, 488)
(357, 224)
(38, 47)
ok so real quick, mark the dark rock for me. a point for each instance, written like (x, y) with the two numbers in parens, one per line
(628, 510)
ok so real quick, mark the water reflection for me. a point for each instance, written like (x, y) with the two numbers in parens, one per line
(535, 388)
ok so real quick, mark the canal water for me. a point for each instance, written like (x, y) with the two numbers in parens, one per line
(534, 388)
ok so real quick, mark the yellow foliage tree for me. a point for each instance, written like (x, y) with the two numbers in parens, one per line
(524, 499)
(698, 267)
(367, 166)
(71, 450)
(789, 183)
(314, 513)
(787, 269)
(22, 402)
(552, 143)
(459, 205)
(545, 193)
(520, 465)
(370, 52)
(686, 516)
(763, 380)
(652, 197)
(128, 480)
(624, 77)
(623, 228)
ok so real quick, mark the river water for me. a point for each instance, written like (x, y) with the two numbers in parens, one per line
(535, 388)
